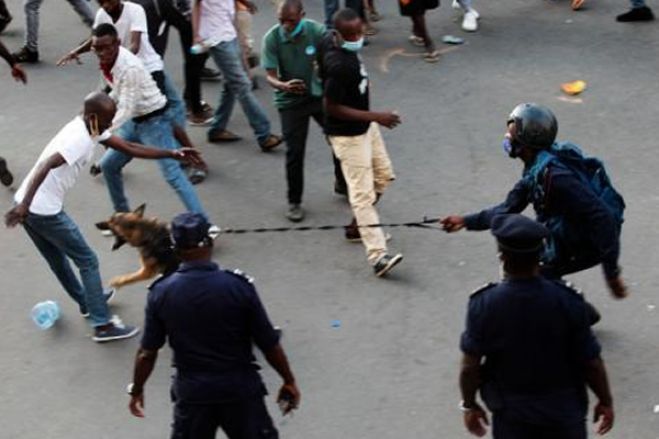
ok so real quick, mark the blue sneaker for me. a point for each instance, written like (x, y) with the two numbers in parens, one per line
(114, 330)
(107, 294)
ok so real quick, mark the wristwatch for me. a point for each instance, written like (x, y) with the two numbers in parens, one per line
(467, 408)
(130, 389)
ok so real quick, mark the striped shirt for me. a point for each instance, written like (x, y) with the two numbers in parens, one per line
(133, 89)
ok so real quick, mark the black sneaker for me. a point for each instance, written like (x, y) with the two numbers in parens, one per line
(5, 176)
(636, 14)
(115, 330)
(210, 74)
(386, 263)
(95, 170)
(26, 55)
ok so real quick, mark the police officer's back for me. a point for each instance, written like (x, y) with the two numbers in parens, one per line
(211, 317)
(539, 351)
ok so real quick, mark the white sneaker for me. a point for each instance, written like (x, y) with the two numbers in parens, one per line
(214, 232)
(470, 21)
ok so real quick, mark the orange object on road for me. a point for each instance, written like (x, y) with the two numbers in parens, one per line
(574, 88)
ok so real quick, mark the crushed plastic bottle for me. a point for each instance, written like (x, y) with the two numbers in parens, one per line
(45, 314)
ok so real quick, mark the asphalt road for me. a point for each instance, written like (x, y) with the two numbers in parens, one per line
(390, 369)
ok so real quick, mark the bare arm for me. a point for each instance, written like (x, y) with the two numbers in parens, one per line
(599, 383)
(289, 392)
(196, 12)
(144, 152)
(475, 417)
(343, 112)
(145, 361)
(20, 211)
(75, 53)
(6, 55)
(295, 86)
(135, 41)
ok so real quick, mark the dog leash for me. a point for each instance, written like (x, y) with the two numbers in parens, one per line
(424, 224)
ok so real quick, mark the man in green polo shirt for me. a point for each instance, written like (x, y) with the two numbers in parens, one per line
(290, 53)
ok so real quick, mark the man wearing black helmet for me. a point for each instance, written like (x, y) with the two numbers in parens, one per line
(570, 193)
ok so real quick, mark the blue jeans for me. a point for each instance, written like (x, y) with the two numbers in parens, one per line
(155, 132)
(638, 3)
(331, 6)
(32, 7)
(236, 85)
(58, 239)
(176, 109)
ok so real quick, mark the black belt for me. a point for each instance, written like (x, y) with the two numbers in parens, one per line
(144, 118)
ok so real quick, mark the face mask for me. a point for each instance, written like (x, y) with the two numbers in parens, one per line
(297, 30)
(353, 46)
(93, 125)
(510, 147)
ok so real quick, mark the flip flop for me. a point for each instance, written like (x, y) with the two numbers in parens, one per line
(431, 57)
(416, 41)
(577, 4)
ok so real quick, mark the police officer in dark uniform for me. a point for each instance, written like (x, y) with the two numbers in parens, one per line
(559, 196)
(538, 349)
(211, 317)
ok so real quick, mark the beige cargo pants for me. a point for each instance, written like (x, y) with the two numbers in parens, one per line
(368, 171)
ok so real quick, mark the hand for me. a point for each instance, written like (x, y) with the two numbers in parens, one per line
(188, 155)
(295, 86)
(475, 420)
(196, 39)
(617, 287)
(18, 73)
(68, 58)
(388, 119)
(136, 405)
(290, 396)
(603, 414)
(16, 215)
(452, 223)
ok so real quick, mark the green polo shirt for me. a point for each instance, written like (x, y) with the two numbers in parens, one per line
(294, 59)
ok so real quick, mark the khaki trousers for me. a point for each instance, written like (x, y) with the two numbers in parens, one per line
(368, 171)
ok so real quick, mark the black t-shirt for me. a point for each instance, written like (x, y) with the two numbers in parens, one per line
(346, 83)
(211, 318)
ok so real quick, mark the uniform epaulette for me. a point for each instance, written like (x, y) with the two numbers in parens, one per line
(241, 274)
(569, 286)
(482, 288)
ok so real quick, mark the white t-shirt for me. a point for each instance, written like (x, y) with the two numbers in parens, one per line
(216, 21)
(76, 145)
(133, 19)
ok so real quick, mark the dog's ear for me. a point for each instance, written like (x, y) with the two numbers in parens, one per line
(140, 210)
(118, 242)
(103, 225)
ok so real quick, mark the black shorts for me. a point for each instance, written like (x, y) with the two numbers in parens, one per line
(247, 419)
(503, 428)
(409, 8)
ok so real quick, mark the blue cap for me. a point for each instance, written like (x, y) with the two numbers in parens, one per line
(190, 230)
(518, 234)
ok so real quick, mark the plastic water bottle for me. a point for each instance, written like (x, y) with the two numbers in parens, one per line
(198, 49)
(45, 314)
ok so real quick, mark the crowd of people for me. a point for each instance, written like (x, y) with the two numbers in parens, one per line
(316, 73)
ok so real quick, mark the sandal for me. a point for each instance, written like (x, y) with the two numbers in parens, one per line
(431, 57)
(416, 41)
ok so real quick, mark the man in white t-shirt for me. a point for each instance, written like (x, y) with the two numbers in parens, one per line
(39, 207)
(213, 28)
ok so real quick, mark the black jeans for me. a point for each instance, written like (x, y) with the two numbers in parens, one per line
(159, 11)
(295, 128)
(247, 419)
(503, 428)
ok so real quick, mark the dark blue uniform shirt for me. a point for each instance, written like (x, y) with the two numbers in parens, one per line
(211, 317)
(536, 339)
(566, 196)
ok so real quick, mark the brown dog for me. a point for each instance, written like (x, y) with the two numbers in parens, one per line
(150, 236)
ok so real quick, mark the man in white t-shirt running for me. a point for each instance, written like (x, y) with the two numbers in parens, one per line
(39, 207)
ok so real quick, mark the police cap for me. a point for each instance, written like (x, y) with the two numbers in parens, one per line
(518, 234)
(190, 230)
